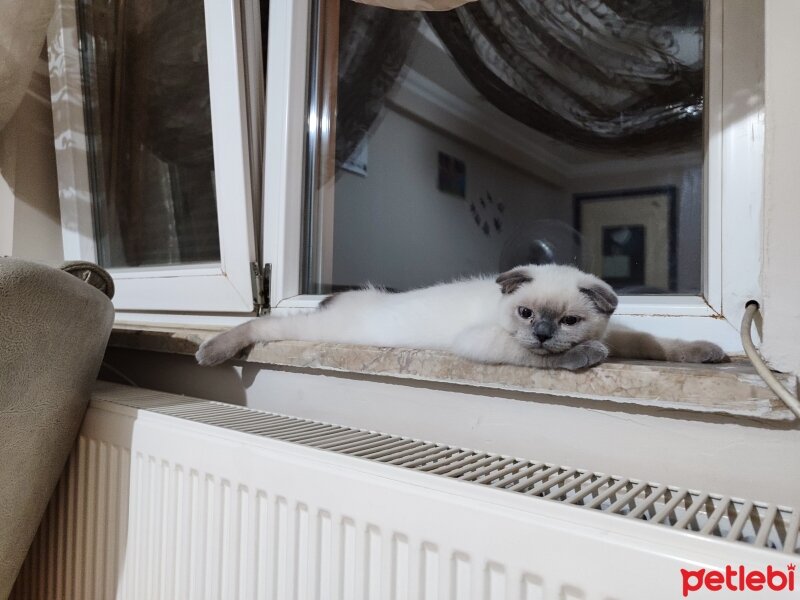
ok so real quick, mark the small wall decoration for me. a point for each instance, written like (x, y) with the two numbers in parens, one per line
(629, 238)
(487, 214)
(452, 175)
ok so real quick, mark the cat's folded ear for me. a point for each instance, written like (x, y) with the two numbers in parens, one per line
(511, 280)
(602, 296)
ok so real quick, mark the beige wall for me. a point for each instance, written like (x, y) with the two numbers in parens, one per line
(29, 210)
(781, 265)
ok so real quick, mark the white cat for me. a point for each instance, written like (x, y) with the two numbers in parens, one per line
(547, 316)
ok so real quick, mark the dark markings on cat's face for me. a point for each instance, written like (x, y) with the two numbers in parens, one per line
(604, 299)
(511, 280)
(548, 326)
(548, 313)
(544, 325)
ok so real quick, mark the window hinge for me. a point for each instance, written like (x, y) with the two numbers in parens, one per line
(260, 279)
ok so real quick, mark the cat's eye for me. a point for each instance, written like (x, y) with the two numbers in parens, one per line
(524, 312)
(570, 320)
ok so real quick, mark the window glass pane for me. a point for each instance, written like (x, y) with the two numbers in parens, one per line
(146, 91)
(507, 132)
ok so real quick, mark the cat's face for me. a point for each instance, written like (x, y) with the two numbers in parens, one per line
(551, 308)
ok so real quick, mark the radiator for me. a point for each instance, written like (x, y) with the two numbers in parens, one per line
(166, 497)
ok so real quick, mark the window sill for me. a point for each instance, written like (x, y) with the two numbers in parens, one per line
(732, 389)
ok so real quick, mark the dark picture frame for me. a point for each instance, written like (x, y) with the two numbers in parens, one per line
(623, 245)
(452, 175)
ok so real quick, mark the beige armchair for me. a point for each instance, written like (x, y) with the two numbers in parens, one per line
(54, 326)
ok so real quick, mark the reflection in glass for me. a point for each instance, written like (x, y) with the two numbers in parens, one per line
(148, 117)
(470, 138)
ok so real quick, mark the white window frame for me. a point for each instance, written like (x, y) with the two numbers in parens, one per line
(733, 172)
(224, 287)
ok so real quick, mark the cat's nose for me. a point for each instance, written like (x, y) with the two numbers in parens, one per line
(543, 330)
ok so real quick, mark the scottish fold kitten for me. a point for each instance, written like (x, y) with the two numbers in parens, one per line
(545, 316)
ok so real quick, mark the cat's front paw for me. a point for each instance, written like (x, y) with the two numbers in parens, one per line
(583, 356)
(701, 352)
(217, 350)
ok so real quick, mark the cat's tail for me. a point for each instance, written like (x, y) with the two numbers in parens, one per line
(228, 344)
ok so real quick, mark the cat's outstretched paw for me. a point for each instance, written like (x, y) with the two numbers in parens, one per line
(583, 356)
(701, 352)
(217, 350)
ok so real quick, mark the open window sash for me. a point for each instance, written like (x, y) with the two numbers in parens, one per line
(223, 286)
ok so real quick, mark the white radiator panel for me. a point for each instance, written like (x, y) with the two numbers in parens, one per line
(202, 511)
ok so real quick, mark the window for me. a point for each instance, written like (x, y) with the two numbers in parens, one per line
(162, 195)
(446, 144)
(502, 133)
(409, 148)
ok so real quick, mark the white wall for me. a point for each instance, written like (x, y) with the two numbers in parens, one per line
(29, 211)
(781, 214)
(394, 227)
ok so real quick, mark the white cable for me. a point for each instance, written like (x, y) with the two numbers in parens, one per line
(789, 399)
(119, 374)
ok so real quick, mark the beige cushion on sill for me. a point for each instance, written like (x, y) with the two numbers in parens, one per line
(53, 332)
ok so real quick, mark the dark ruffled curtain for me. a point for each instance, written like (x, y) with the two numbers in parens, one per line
(607, 74)
(620, 75)
(374, 43)
(168, 54)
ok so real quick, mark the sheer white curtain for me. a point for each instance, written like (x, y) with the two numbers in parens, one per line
(23, 26)
(416, 4)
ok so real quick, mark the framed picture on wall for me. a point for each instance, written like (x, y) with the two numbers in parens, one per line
(452, 175)
(629, 238)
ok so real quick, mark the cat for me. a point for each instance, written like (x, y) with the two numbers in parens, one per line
(545, 316)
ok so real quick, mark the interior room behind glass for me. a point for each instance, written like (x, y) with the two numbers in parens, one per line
(147, 110)
(507, 132)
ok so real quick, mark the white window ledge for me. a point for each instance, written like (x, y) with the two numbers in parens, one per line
(732, 388)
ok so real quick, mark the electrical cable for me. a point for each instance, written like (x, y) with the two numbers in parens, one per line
(789, 399)
(119, 374)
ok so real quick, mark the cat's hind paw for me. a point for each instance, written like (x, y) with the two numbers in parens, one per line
(701, 352)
